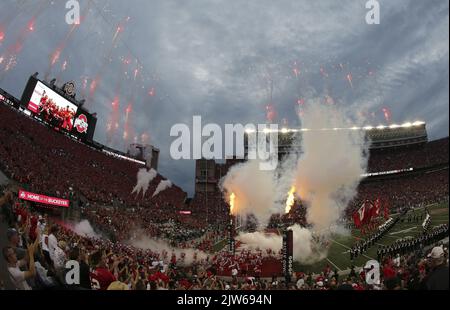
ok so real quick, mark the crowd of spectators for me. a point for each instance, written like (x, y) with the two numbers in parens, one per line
(51, 163)
(428, 154)
(408, 191)
(38, 249)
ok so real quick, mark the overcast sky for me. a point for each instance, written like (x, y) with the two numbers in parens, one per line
(227, 60)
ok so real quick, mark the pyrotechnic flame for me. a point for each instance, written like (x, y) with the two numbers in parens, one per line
(290, 200)
(350, 79)
(232, 202)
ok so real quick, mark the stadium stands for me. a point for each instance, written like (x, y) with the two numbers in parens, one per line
(51, 163)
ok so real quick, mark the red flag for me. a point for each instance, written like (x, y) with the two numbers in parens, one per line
(375, 208)
(386, 211)
(367, 212)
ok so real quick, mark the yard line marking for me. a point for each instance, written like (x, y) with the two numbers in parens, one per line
(364, 239)
(403, 231)
(339, 269)
(349, 248)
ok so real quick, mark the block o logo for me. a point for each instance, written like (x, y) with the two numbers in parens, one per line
(81, 123)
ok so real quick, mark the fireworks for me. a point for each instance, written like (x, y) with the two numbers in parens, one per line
(350, 79)
(93, 86)
(387, 114)
(119, 29)
(151, 92)
(271, 113)
(296, 70)
(31, 25)
(55, 56)
(12, 62)
(290, 200)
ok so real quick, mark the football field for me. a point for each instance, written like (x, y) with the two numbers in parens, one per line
(338, 253)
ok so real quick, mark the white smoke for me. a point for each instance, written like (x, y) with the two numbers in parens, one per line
(85, 229)
(158, 246)
(260, 240)
(254, 190)
(325, 174)
(306, 249)
(330, 168)
(144, 177)
(164, 184)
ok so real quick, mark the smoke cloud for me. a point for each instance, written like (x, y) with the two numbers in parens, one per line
(325, 169)
(330, 168)
(164, 184)
(307, 250)
(144, 177)
(85, 229)
(254, 190)
(156, 245)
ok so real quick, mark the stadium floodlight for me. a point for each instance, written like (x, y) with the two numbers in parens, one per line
(368, 128)
(249, 131)
(284, 130)
(381, 127)
(394, 126)
(354, 128)
(418, 123)
(406, 125)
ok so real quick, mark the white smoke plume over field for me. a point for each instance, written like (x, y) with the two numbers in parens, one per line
(144, 177)
(254, 190)
(85, 229)
(325, 174)
(330, 168)
(164, 184)
(307, 250)
(156, 245)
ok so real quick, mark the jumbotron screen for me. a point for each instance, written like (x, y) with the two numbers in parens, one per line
(52, 107)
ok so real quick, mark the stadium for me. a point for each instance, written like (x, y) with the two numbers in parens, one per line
(349, 207)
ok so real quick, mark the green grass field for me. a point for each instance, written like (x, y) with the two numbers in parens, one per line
(338, 255)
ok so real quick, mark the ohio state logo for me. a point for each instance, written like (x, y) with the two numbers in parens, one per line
(81, 123)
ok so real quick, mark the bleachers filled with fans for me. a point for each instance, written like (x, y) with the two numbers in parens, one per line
(411, 190)
(415, 156)
(51, 163)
